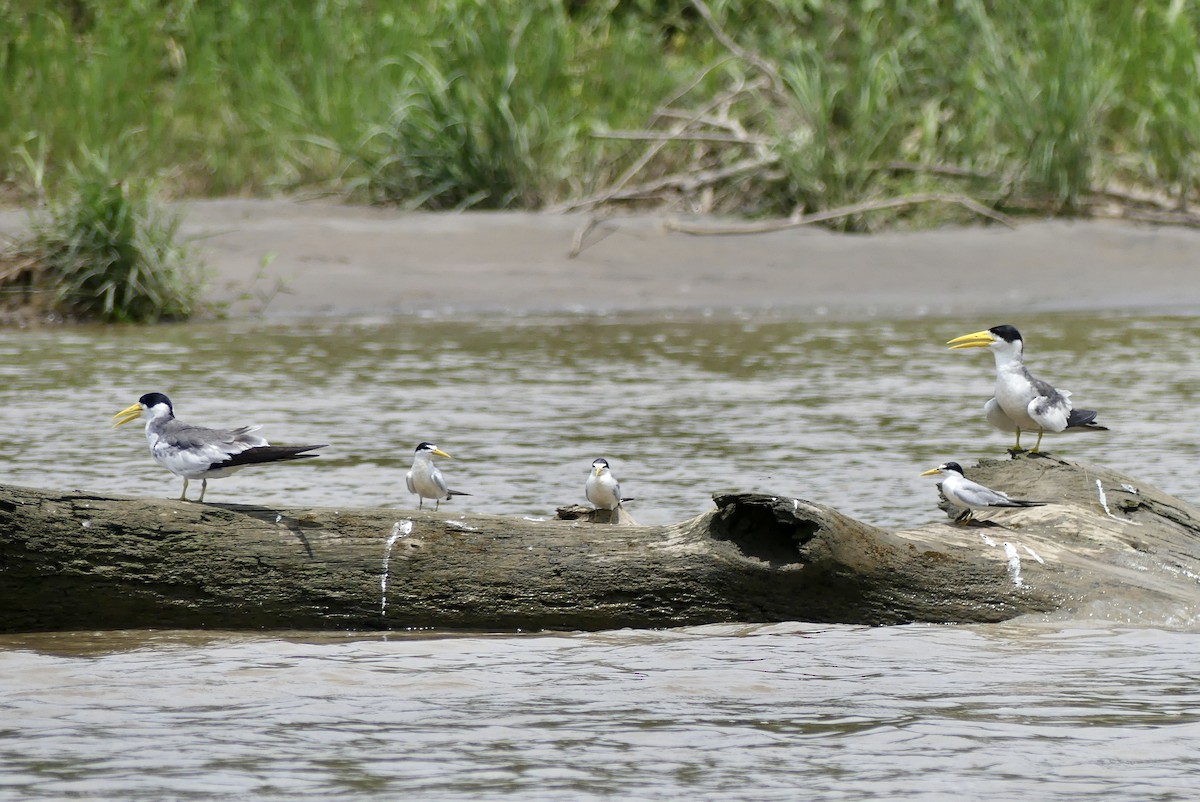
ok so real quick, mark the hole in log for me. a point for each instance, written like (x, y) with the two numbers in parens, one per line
(763, 527)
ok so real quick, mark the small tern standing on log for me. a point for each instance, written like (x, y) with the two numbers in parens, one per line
(1023, 402)
(195, 452)
(962, 492)
(425, 480)
(602, 488)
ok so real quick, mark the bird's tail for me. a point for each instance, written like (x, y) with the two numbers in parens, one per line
(456, 493)
(1017, 502)
(259, 454)
(1084, 419)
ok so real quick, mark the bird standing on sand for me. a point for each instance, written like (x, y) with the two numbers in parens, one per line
(195, 452)
(1023, 402)
(962, 492)
(425, 479)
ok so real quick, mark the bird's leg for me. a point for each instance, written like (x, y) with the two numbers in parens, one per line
(420, 502)
(183, 495)
(203, 487)
(1038, 445)
(964, 519)
(437, 502)
(1017, 447)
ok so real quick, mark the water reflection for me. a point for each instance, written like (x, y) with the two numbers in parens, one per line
(845, 413)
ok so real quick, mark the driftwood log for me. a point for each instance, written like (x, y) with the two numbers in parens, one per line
(1107, 546)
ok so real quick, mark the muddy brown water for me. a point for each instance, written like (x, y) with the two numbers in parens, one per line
(846, 413)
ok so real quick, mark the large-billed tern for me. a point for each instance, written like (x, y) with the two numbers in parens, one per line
(972, 496)
(1023, 402)
(196, 452)
(426, 480)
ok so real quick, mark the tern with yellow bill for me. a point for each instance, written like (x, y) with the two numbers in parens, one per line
(1023, 402)
(426, 480)
(195, 452)
(602, 488)
(972, 496)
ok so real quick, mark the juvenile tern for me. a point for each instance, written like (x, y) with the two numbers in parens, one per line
(425, 480)
(195, 452)
(962, 492)
(1023, 402)
(602, 488)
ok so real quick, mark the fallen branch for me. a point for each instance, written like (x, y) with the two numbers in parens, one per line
(613, 191)
(685, 136)
(836, 214)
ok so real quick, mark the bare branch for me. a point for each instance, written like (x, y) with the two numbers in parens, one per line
(844, 211)
(749, 56)
(658, 136)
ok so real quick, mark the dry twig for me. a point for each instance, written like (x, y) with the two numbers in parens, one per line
(844, 211)
(749, 56)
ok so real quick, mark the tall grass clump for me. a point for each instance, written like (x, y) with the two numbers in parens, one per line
(1045, 82)
(1158, 46)
(107, 252)
(848, 119)
(484, 126)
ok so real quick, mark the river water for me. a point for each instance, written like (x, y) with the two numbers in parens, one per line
(846, 413)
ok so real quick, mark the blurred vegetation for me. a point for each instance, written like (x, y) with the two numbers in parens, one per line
(105, 252)
(770, 108)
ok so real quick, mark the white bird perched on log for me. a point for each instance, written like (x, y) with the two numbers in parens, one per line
(1023, 402)
(602, 488)
(425, 479)
(962, 492)
(196, 452)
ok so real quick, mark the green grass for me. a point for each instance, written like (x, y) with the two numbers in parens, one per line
(450, 104)
(108, 252)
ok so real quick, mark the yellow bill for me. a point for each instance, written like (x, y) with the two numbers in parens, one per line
(126, 415)
(978, 339)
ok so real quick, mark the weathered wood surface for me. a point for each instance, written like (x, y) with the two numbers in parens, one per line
(75, 561)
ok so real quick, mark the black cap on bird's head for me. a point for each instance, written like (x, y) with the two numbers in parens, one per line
(425, 447)
(154, 399)
(943, 468)
(1006, 332)
(430, 448)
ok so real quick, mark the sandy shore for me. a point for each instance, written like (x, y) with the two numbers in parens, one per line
(335, 260)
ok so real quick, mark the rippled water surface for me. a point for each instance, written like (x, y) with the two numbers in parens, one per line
(843, 413)
(769, 712)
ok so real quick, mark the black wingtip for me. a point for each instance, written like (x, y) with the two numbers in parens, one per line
(261, 454)
(1084, 419)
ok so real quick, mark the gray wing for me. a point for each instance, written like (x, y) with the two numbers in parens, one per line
(408, 481)
(178, 434)
(440, 481)
(977, 495)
